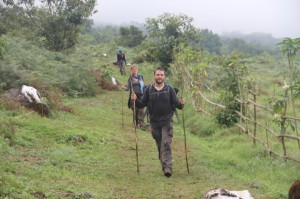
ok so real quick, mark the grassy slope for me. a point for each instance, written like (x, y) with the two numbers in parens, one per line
(47, 159)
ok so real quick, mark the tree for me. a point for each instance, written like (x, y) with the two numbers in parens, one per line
(131, 36)
(168, 31)
(58, 21)
(210, 42)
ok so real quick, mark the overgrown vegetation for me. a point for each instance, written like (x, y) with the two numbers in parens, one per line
(72, 73)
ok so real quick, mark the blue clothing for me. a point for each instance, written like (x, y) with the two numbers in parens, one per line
(138, 86)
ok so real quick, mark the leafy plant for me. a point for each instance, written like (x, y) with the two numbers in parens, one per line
(168, 31)
(231, 82)
(290, 47)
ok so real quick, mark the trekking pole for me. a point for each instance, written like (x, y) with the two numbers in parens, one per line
(136, 139)
(183, 125)
(185, 148)
(122, 109)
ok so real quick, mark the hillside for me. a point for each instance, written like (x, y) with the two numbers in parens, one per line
(89, 152)
(87, 148)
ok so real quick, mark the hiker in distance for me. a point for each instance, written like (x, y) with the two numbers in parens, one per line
(136, 85)
(121, 60)
(161, 100)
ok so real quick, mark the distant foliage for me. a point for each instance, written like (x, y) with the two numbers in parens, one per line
(239, 45)
(250, 44)
(104, 34)
(131, 36)
(210, 42)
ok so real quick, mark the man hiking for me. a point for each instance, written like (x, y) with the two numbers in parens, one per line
(121, 60)
(161, 99)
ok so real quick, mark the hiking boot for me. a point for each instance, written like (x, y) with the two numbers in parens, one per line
(142, 127)
(167, 172)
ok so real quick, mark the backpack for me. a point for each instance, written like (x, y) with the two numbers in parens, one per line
(142, 85)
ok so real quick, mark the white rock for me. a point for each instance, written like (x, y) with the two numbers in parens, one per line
(30, 93)
(220, 193)
(114, 81)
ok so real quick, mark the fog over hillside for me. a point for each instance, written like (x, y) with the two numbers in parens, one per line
(276, 17)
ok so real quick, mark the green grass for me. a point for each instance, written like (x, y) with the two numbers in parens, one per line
(90, 151)
(46, 158)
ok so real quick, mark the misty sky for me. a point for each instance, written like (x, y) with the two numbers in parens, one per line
(281, 18)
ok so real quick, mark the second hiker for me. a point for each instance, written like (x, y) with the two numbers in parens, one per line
(136, 80)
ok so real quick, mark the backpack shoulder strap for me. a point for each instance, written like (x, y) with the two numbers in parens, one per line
(151, 85)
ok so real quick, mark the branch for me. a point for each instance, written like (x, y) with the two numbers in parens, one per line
(290, 136)
(215, 104)
(248, 119)
(260, 106)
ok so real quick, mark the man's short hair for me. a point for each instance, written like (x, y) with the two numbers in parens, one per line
(159, 68)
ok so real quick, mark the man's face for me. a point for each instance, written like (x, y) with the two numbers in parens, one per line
(159, 76)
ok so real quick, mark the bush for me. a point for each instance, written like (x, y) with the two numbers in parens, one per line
(227, 116)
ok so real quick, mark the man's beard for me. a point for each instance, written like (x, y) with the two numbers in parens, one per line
(159, 81)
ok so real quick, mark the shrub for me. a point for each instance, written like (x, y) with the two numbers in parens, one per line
(227, 116)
